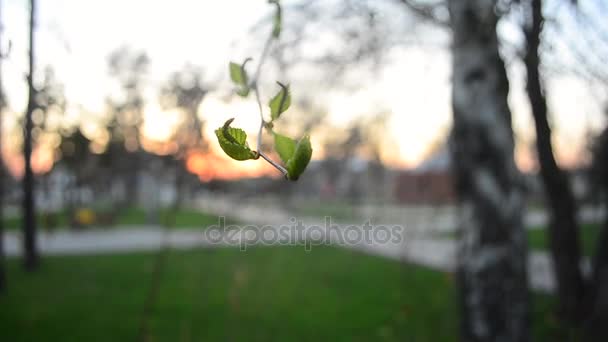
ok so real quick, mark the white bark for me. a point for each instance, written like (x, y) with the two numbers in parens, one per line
(492, 252)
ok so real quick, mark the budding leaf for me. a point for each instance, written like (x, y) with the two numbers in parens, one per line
(285, 146)
(276, 26)
(280, 102)
(239, 77)
(237, 74)
(301, 157)
(243, 91)
(234, 142)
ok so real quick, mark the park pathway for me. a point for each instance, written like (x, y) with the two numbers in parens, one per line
(436, 253)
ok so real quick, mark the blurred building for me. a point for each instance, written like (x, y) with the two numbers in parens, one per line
(429, 183)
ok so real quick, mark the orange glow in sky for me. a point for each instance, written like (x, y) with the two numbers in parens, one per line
(75, 38)
(42, 162)
(210, 166)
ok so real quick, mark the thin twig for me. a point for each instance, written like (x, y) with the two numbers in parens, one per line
(256, 75)
(273, 163)
(259, 148)
(256, 90)
(257, 98)
(425, 11)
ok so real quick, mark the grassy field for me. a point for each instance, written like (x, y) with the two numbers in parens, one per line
(538, 239)
(15, 222)
(183, 218)
(264, 294)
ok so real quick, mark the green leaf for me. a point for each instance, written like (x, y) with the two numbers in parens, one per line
(280, 102)
(234, 142)
(276, 26)
(238, 75)
(243, 91)
(285, 146)
(301, 157)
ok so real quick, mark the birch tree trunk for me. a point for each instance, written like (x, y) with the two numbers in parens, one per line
(492, 252)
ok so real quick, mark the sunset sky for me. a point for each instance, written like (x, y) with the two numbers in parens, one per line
(75, 38)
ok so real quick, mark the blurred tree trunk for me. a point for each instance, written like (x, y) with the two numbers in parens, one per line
(596, 325)
(563, 227)
(491, 269)
(2, 102)
(132, 177)
(178, 185)
(29, 217)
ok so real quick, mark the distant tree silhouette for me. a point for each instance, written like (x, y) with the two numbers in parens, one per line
(2, 175)
(184, 91)
(31, 258)
(75, 155)
(50, 109)
(126, 112)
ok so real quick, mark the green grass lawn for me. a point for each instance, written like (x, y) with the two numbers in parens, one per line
(15, 222)
(184, 218)
(264, 294)
(338, 210)
(538, 239)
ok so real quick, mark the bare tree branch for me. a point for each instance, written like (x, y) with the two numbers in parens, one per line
(427, 11)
